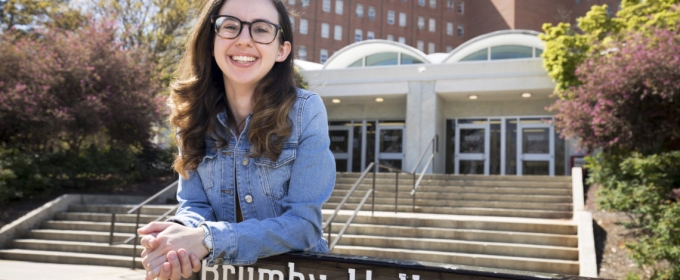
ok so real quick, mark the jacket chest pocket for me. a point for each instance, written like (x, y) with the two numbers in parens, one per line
(206, 169)
(275, 175)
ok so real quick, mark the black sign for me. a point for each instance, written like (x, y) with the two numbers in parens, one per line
(296, 266)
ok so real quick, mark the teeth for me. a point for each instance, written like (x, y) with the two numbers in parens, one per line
(241, 58)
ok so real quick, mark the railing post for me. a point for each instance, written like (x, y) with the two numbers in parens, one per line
(414, 194)
(373, 194)
(113, 224)
(329, 232)
(396, 191)
(134, 247)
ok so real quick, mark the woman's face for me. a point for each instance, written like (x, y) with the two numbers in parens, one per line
(243, 61)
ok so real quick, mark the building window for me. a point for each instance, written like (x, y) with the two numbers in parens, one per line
(370, 35)
(390, 37)
(450, 5)
(305, 3)
(449, 48)
(326, 6)
(460, 31)
(421, 46)
(292, 22)
(358, 35)
(578, 1)
(337, 34)
(432, 25)
(461, 7)
(390, 17)
(421, 3)
(430, 47)
(302, 53)
(338, 7)
(433, 4)
(360, 10)
(325, 30)
(402, 40)
(449, 28)
(371, 12)
(291, 2)
(402, 19)
(421, 22)
(303, 26)
(324, 56)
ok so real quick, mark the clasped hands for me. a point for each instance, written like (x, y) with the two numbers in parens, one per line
(171, 250)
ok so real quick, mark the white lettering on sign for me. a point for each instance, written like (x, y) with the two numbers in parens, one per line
(352, 272)
(404, 276)
(262, 273)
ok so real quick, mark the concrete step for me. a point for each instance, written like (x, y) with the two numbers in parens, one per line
(390, 175)
(68, 258)
(382, 199)
(89, 226)
(102, 217)
(119, 209)
(469, 211)
(424, 195)
(79, 235)
(518, 263)
(544, 226)
(76, 247)
(472, 183)
(560, 240)
(460, 246)
(463, 189)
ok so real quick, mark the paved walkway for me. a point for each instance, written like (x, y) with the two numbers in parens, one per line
(18, 270)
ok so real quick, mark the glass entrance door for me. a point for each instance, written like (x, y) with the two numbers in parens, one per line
(390, 145)
(472, 149)
(341, 146)
(536, 147)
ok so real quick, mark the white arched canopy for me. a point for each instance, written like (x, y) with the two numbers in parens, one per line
(375, 53)
(505, 44)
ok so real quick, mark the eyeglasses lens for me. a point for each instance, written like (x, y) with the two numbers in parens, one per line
(261, 32)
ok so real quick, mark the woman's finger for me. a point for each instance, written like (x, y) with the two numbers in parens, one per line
(195, 263)
(185, 263)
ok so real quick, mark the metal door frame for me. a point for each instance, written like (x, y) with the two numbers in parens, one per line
(549, 157)
(473, 156)
(389, 156)
(350, 134)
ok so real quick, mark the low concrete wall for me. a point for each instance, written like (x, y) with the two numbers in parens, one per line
(34, 218)
(584, 221)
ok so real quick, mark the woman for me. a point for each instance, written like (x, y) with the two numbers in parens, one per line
(255, 163)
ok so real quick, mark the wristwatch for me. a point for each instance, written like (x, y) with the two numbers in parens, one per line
(207, 240)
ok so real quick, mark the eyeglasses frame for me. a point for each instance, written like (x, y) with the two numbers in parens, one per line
(213, 20)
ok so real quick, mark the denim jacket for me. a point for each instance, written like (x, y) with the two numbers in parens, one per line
(280, 200)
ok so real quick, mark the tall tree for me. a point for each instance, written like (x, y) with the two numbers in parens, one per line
(567, 46)
(28, 13)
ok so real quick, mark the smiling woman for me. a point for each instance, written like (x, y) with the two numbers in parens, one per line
(255, 162)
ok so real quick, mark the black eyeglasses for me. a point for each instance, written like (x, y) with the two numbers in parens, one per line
(262, 31)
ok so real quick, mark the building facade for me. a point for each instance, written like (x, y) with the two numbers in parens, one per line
(482, 106)
(322, 27)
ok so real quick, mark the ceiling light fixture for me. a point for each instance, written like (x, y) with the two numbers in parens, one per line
(379, 99)
(335, 100)
(526, 94)
(473, 97)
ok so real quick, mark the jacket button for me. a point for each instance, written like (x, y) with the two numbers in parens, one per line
(245, 161)
(249, 198)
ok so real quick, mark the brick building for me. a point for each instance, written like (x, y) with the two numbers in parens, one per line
(323, 27)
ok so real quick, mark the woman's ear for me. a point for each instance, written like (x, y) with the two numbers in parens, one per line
(284, 51)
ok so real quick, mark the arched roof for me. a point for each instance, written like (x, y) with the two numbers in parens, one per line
(351, 53)
(517, 37)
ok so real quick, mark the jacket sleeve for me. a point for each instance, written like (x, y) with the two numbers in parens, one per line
(194, 207)
(298, 228)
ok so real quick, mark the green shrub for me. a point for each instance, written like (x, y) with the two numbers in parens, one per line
(642, 186)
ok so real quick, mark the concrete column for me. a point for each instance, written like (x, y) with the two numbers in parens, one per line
(424, 119)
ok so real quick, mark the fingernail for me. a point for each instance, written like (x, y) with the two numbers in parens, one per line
(182, 254)
(173, 256)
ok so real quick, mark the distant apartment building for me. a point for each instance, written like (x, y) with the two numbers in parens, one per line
(323, 27)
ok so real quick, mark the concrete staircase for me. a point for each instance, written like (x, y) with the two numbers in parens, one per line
(80, 235)
(510, 222)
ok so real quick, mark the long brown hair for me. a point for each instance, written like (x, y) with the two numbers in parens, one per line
(197, 95)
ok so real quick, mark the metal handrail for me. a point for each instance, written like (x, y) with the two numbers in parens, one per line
(138, 210)
(349, 221)
(435, 150)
